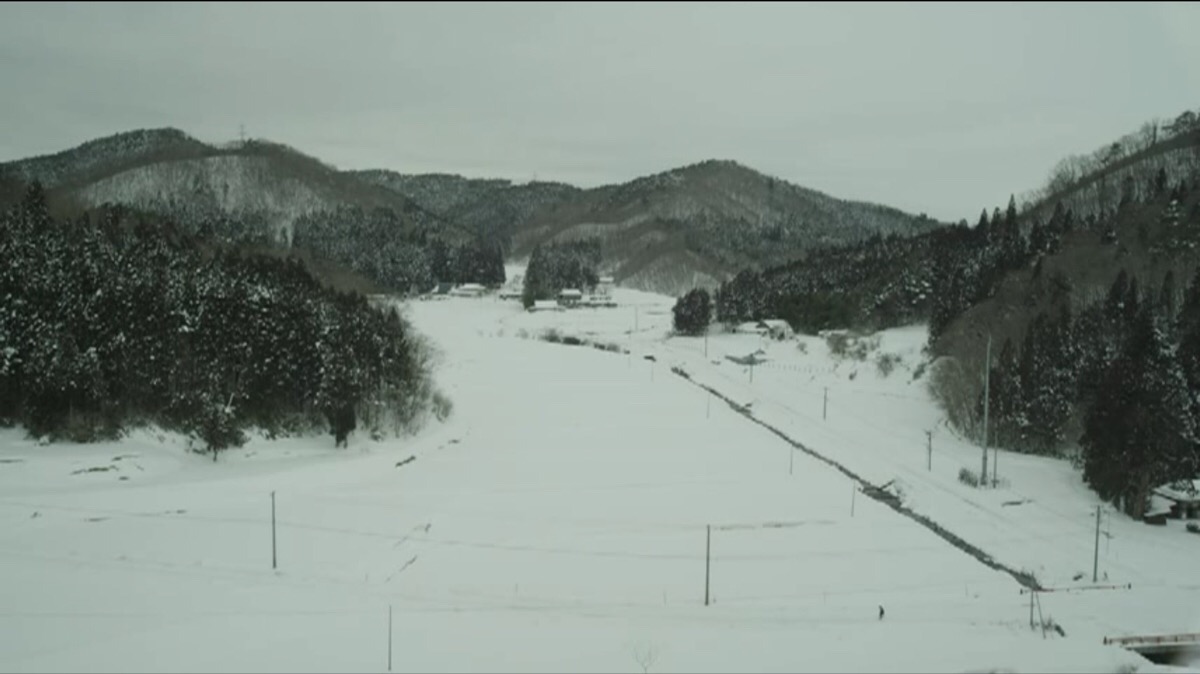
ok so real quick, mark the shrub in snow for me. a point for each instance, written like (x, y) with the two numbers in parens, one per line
(919, 370)
(442, 406)
(844, 344)
(886, 362)
(968, 477)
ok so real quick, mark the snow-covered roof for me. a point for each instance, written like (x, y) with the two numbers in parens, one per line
(571, 292)
(606, 279)
(470, 286)
(1185, 491)
(776, 323)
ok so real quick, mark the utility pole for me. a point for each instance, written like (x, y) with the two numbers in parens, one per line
(274, 563)
(995, 469)
(825, 404)
(1096, 553)
(1031, 608)
(929, 448)
(791, 459)
(707, 558)
(987, 377)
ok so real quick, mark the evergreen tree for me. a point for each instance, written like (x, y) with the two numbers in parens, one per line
(1141, 431)
(1166, 298)
(1049, 374)
(692, 312)
(1006, 404)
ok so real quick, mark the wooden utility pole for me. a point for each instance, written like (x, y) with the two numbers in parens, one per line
(274, 559)
(707, 558)
(987, 376)
(1031, 593)
(1096, 552)
(929, 449)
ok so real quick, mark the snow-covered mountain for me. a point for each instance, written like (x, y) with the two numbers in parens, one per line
(668, 232)
(166, 171)
(691, 226)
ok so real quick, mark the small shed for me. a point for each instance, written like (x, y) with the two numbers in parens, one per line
(546, 305)
(604, 287)
(1183, 498)
(776, 328)
(748, 328)
(570, 297)
(468, 290)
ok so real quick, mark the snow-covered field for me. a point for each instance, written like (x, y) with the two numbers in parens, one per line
(557, 522)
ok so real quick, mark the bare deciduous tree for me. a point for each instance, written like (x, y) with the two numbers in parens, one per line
(645, 654)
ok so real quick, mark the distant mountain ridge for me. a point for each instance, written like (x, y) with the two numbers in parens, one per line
(494, 208)
(267, 184)
(695, 225)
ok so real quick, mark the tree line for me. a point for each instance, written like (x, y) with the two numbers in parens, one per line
(555, 266)
(382, 245)
(111, 321)
(1115, 374)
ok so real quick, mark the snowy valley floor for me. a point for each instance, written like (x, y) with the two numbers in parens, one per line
(557, 522)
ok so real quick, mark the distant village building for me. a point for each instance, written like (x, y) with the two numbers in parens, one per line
(439, 292)
(772, 327)
(776, 328)
(546, 305)
(513, 289)
(468, 290)
(1184, 498)
(570, 297)
(604, 287)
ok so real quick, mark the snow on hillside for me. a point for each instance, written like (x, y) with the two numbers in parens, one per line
(228, 184)
(1041, 518)
(556, 522)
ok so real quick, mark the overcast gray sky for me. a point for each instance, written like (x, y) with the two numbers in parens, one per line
(934, 108)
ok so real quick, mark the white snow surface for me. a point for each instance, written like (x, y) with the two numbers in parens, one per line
(557, 522)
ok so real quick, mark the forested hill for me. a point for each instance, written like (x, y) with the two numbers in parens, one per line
(109, 323)
(267, 195)
(1088, 294)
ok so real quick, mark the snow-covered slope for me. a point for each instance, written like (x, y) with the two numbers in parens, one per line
(556, 522)
(1040, 519)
